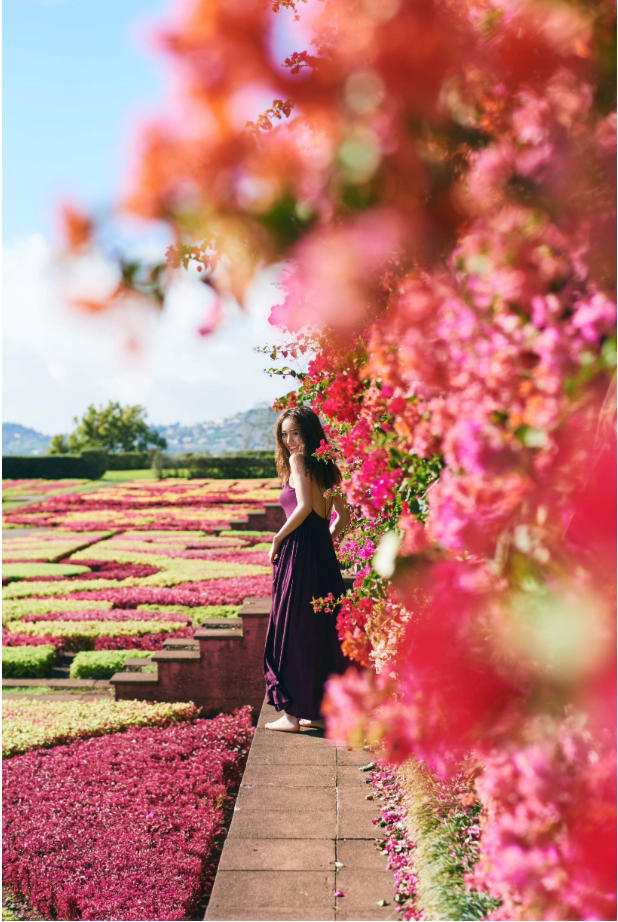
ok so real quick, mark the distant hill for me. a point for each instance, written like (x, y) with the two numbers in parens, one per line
(20, 440)
(252, 429)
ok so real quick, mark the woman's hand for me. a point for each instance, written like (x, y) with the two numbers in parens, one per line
(273, 553)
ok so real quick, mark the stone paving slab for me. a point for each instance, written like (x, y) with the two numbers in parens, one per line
(266, 889)
(281, 824)
(270, 797)
(360, 854)
(293, 776)
(362, 887)
(293, 756)
(302, 807)
(279, 855)
(274, 915)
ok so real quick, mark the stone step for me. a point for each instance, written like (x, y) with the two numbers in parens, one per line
(58, 683)
(135, 678)
(136, 663)
(176, 656)
(217, 634)
(181, 643)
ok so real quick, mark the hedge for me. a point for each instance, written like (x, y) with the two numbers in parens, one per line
(27, 662)
(223, 468)
(102, 664)
(89, 465)
(130, 460)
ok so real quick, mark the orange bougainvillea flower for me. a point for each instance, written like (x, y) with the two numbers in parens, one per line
(76, 227)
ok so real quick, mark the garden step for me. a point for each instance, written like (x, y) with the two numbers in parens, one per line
(217, 634)
(137, 663)
(134, 678)
(175, 656)
(181, 643)
(57, 683)
(255, 605)
(60, 672)
(223, 672)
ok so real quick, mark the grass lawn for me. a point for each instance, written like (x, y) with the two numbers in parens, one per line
(148, 474)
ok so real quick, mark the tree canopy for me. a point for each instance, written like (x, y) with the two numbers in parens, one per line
(113, 428)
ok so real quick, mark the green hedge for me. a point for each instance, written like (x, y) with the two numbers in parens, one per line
(102, 664)
(222, 468)
(89, 465)
(28, 662)
(129, 461)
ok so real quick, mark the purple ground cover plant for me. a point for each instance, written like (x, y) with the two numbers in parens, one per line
(395, 840)
(86, 824)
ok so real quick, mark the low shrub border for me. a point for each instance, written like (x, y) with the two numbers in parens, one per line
(28, 662)
(102, 664)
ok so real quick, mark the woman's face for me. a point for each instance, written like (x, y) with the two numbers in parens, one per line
(290, 433)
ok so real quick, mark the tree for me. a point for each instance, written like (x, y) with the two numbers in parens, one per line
(112, 428)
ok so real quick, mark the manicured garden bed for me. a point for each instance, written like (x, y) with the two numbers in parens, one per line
(130, 591)
(125, 826)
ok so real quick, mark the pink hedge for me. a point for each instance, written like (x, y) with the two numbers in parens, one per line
(28, 640)
(207, 592)
(113, 614)
(122, 826)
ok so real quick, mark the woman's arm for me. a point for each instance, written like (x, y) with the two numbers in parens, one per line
(303, 507)
(343, 516)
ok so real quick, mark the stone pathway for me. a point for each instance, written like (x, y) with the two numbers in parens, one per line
(302, 807)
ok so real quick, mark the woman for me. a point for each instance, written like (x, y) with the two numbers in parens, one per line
(302, 647)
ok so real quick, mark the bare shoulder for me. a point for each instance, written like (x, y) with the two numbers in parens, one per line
(297, 467)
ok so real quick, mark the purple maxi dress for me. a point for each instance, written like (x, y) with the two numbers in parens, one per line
(302, 647)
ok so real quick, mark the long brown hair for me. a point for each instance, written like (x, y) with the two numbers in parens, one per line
(324, 471)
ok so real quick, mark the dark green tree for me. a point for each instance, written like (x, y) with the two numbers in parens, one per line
(112, 428)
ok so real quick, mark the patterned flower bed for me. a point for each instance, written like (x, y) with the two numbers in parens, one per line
(149, 804)
(18, 489)
(39, 725)
(134, 588)
(195, 504)
(48, 546)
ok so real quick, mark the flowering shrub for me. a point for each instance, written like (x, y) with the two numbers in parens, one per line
(163, 787)
(450, 227)
(41, 724)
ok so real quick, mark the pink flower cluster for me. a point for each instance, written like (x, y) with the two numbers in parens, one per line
(149, 804)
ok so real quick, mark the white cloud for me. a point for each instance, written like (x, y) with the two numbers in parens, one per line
(57, 361)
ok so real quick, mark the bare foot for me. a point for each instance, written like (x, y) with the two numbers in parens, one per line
(319, 724)
(287, 723)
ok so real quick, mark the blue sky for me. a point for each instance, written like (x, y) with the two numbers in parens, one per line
(76, 76)
(74, 73)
